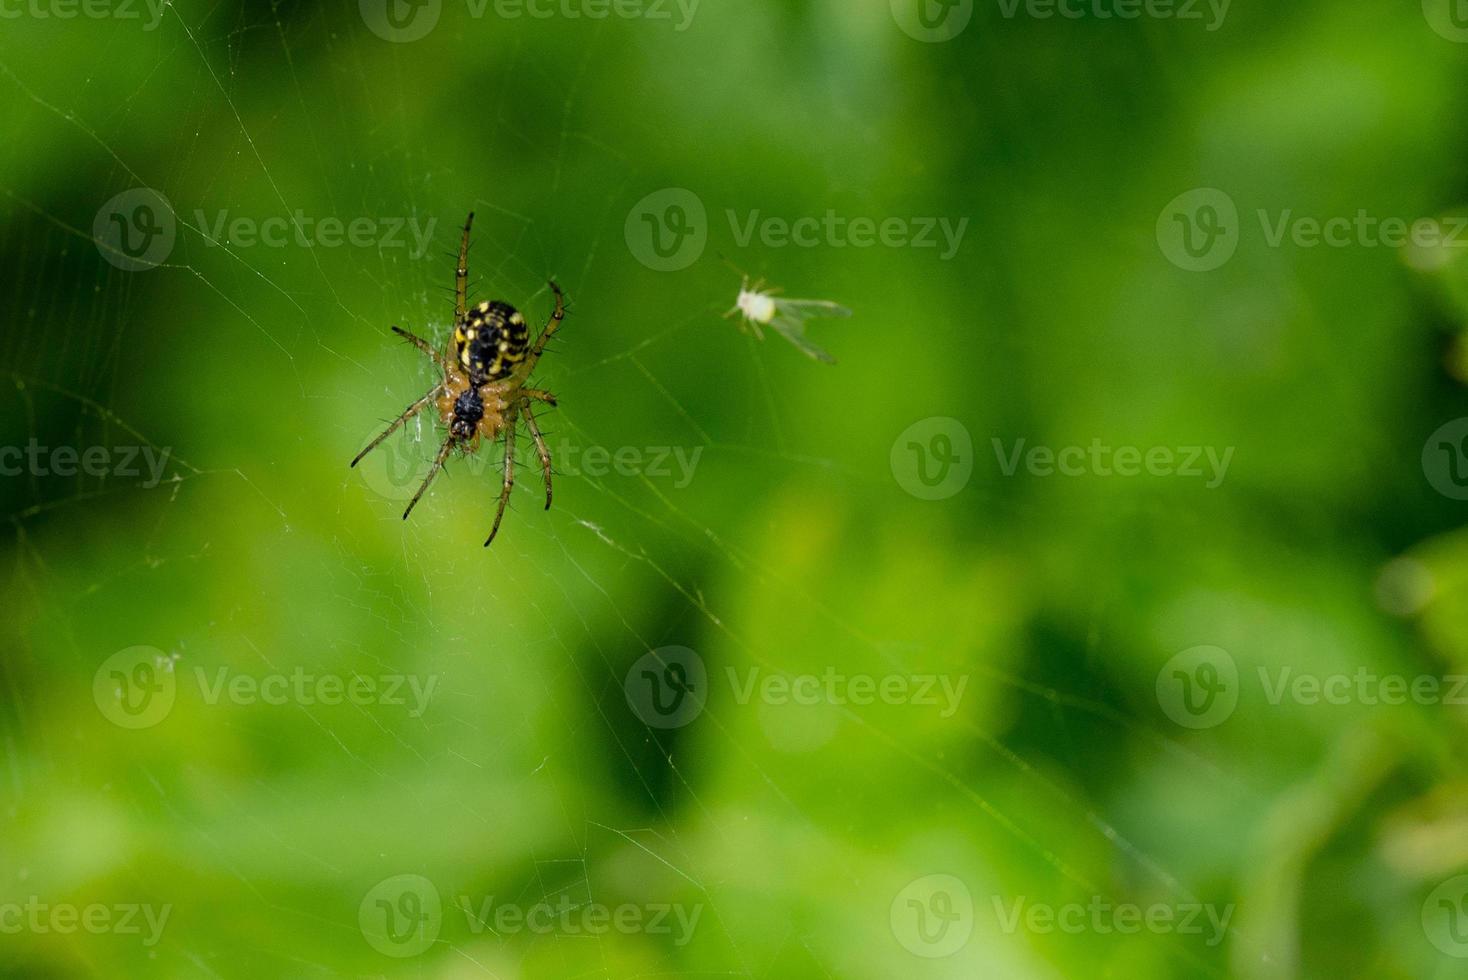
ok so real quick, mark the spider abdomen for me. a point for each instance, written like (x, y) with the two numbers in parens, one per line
(490, 340)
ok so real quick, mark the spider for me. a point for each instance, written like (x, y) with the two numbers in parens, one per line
(483, 394)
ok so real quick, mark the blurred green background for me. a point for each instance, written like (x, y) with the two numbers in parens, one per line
(253, 724)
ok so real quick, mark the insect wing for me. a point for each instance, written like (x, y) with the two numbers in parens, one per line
(806, 309)
(792, 328)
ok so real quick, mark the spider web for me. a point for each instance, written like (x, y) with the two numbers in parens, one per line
(262, 370)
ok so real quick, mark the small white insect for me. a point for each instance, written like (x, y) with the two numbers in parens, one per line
(759, 307)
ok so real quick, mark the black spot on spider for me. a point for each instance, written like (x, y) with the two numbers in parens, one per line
(493, 341)
(468, 413)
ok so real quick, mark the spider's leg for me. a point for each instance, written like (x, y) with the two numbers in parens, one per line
(461, 274)
(551, 326)
(443, 454)
(509, 478)
(539, 394)
(545, 458)
(412, 410)
(424, 346)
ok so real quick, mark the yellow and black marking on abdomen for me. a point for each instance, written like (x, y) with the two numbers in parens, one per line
(491, 340)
